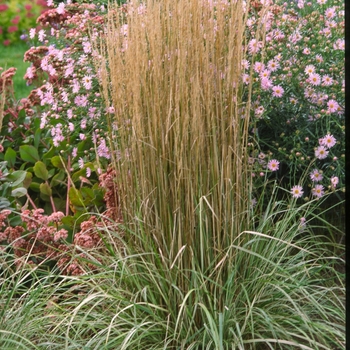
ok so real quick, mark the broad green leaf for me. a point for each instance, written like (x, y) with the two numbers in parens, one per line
(16, 178)
(37, 137)
(10, 157)
(40, 171)
(29, 153)
(58, 178)
(75, 197)
(19, 192)
(57, 162)
(28, 179)
(45, 189)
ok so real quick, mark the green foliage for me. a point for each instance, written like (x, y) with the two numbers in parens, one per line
(16, 18)
(284, 290)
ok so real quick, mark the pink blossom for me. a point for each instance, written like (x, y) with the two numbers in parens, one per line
(246, 78)
(102, 150)
(318, 191)
(273, 65)
(277, 91)
(86, 47)
(332, 106)
(87, 82)
(258, 66)
(297, 191)
(306, 51)
(60, 9)
(330, 12)
(266, 84)
(254, 46)
(321, 152)
(327, 80)
(334, 181)
(32, 33)
(273, 165)
(316, 176)
(41, 35)
(314, 79)
(309, 69)
(81, 163)
(328, 141)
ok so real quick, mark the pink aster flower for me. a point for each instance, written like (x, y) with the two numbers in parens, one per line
(328, 141)
(314, 79)
(306, 51)
(318, 191)
(316, 176)
(327, 80)
(87, 82)
(258, 67)
(330, 13)
(309, 69)
(273, 65)
(266, 84)
(264, 74)
(246, 78)
(273, 165)
(332, 106)
(334, 181)
(277, 91)
(319, 59)
(321, 152)
(297, 191)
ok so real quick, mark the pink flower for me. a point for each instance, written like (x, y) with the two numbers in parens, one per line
(334, 181)
(327, 80)
(3, 7)
(254, 46)
(246, 78)
(318, 191)
(258, 67)
(273, 65)
(86, 47)
(273, 165)
(277, 91)
(332, 106)
(306, 51)
(41, 35)
(316, 175)
(328, 141)
(87, 82)
(314, 79)
(309, 69)
(319, 59)
(12, 29)
(297, 191)
(266, 83)
(81, 163)
(321, 152)
(265, 74)
(60, 9)
(330, 13)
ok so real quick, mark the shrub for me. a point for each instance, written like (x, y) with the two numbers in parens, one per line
(17, 17)
(298, 119)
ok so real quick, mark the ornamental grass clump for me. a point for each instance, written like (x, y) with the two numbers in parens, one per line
(174, 74)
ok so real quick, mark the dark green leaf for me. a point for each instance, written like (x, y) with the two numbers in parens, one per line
(40, 171)
(45, 189)
(29, 153)
(10, 157)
